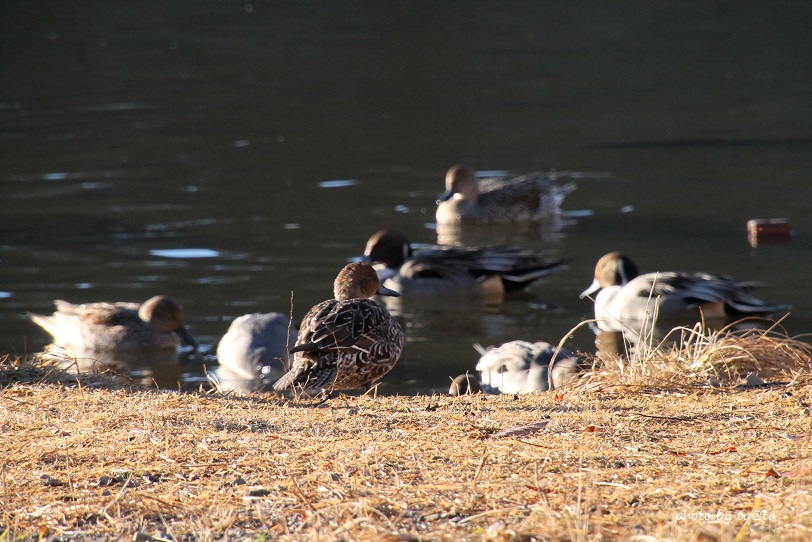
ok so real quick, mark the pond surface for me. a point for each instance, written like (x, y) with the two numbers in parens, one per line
(237, 155)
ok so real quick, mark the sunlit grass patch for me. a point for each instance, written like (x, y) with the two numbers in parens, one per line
(691, 357)
(624, 455)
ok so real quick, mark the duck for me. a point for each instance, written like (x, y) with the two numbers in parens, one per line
(256, 345)
(524, 367)
(156, 324)
(452, 270)
(629, 301)
(465, 384)
(500, 199)
(347, 342)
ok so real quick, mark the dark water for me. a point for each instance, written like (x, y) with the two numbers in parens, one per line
(135, 127)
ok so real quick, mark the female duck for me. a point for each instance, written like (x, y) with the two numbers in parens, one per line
(453, 270)
(348, 342)
(524, 367)
(628, 301)
(526, 199)
(158, 323)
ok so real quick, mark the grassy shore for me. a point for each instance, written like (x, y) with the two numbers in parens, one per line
(628, 453)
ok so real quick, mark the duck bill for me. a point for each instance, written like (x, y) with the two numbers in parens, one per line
(186, 337)
(594, 287)
(445, 196)
(383, 290)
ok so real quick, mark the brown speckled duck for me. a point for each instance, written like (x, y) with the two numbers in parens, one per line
(156, 324)
(348, 342)
(469, 199)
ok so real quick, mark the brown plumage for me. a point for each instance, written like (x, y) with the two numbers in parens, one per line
(348, 342)
(500, 199)
(158, 323)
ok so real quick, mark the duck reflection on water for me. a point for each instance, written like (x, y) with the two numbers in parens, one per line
(144, 368)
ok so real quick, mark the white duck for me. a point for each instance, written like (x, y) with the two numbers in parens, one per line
(627, 301)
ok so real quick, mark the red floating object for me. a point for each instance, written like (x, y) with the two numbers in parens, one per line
(768, 230)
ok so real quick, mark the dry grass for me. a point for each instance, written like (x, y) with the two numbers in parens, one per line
(630, 453)
(692, 357)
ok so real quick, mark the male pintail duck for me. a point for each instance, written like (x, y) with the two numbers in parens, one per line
(158, 323)
(524, 367)
(503, 199)
(452, 270)
(628, 301)
(257, 345)
(348, 342)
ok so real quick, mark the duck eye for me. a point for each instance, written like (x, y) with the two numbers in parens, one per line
(501, 369)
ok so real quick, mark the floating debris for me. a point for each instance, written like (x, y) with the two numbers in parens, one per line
(768, 230)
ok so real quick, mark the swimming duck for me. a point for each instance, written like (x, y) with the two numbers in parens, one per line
(158, 323)
(453, 270)
(347, 342)
(501, 199)
(629, 301)
(257, 344)
(523, 367)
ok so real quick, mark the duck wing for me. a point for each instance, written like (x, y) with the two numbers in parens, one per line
(334, 324)
(452, 264)
(526, 189)
(695, 289)
(102, 314)
(517, 266)
(333, 328)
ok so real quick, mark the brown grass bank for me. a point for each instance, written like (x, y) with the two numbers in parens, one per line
(618, 458)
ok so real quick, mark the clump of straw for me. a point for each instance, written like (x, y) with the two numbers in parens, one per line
(732, 354)
(690, 357)
(56, 366)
